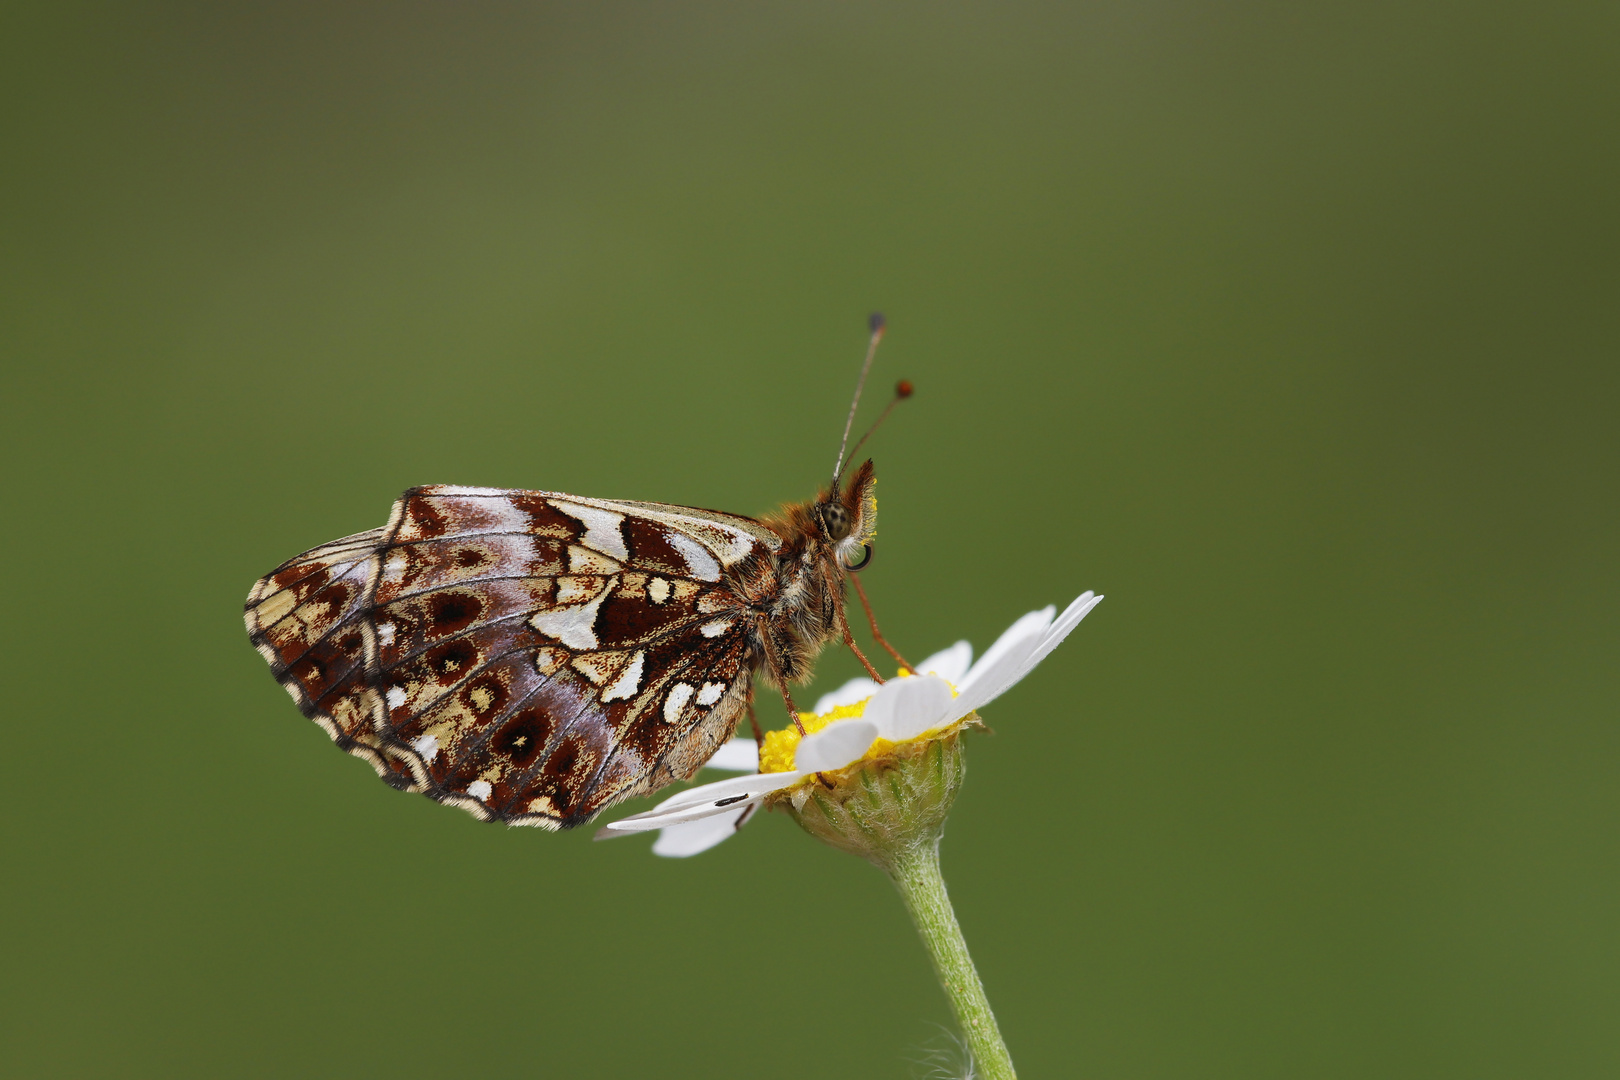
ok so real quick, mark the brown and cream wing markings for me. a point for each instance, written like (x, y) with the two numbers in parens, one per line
(531, 656)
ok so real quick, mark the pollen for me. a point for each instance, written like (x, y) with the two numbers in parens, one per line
(782, 745)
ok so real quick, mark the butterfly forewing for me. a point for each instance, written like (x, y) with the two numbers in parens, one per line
(530, 656)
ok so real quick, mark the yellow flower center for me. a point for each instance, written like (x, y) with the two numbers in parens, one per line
(781, 746)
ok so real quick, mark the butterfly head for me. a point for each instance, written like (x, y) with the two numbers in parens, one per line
(846, 516)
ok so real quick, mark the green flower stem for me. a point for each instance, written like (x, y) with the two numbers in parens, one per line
(915, 872)
(891, 811)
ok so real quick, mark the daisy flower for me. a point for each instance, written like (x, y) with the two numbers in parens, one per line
(874, 773)
(860, 721)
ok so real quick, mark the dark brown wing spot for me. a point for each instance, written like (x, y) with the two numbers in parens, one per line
(452, 661)
(426, 518)
(453, 612)
(562, 762)
(523, 736)
(545, 519)
(327, 664)
(650, 548)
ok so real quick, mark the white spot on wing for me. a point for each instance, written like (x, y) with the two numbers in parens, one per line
(716, 628)
(427, 746)
(658, 590)
(698, 559)
(710, 693)
(603, 528)
(629, 682)
(574, 626)
(679, 695)
(385, 633)
(396, 696)
(480, 790)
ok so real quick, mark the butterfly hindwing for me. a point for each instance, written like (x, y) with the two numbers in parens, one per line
(530, 656)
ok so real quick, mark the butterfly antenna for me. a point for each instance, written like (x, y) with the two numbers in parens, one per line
(877, 325)
(902, 390)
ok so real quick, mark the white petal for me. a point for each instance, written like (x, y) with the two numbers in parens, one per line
(905, 708)
(1031, 626)
(755, 784)
(689, 838)
(949, 664)
(738, 755)
(991, 676)
(855, 690)
(990, 681)
(835, 745)
(704, 797)
(1065, 623)
(663, 819)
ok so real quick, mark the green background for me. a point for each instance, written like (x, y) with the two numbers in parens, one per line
(1290, 327)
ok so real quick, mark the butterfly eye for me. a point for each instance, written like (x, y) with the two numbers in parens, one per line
(863, 560)
(836, 519)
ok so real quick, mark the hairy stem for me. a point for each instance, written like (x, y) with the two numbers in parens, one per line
(916, 873)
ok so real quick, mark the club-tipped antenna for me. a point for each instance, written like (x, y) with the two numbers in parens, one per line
(902, 390)
(877, 325)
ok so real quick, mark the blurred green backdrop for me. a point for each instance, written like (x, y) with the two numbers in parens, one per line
(1290, 327)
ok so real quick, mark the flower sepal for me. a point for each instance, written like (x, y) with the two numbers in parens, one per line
(889, 803)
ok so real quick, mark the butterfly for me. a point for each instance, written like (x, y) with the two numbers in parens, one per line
(535, 657)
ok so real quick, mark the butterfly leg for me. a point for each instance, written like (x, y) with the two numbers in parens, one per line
(778, 678)
(776, 672)
(877, 635)
(849, 639)
(787, 697)
(793, 711)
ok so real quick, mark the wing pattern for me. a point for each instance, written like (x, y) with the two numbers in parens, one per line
(532, 657)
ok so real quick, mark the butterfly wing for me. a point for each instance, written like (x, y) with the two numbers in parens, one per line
(533, 657)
